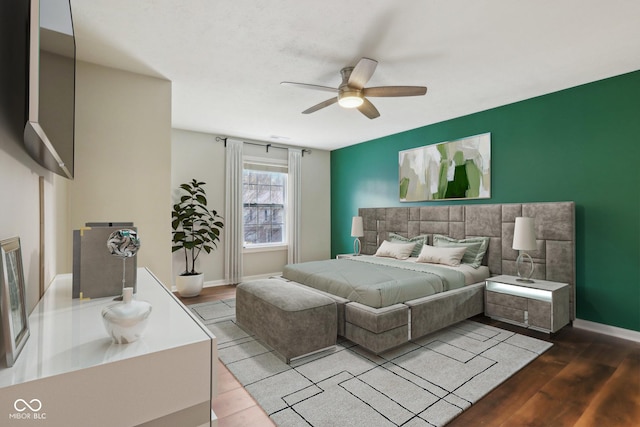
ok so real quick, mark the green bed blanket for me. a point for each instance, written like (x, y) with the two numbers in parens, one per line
(374, 281)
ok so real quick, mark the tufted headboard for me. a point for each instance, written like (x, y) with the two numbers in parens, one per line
(554, 222)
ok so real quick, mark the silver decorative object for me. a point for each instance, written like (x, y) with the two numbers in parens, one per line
(123, 244)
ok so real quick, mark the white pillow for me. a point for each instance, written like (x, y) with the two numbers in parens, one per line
(395, 250)
(442, 255)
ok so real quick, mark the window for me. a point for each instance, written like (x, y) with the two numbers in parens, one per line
(264, 204)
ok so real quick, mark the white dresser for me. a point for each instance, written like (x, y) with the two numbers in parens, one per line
(70, 374)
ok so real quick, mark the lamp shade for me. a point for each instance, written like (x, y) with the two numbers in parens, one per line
(357, 229)
(349, 98)
(524, 235)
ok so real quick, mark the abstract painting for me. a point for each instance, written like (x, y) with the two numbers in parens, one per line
(459, 169)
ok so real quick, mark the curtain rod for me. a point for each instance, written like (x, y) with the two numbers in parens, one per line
(259, 144)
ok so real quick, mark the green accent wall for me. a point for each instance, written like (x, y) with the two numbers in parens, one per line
(580, 144)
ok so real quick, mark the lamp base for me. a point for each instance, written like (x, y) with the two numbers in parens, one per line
(522, 276)
(356, 247)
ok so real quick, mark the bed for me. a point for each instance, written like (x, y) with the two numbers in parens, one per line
(382, 281)
(383, 302)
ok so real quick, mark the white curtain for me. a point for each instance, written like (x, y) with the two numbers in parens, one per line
(294, 198)
(233, 213)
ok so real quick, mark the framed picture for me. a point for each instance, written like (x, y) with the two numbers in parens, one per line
(459, 169)
(15, 322)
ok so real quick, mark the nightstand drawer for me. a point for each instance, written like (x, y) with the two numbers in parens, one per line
(504, 312)
(540, 314)
(506, 300)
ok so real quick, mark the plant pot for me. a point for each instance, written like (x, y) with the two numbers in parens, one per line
(190, 286)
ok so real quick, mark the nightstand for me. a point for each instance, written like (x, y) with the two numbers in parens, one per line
(541, 305)
(345, 256)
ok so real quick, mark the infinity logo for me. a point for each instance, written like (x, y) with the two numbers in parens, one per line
(21, 405)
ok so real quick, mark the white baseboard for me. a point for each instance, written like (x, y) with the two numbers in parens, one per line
(223, 282)
(213, 283)
(614, 331)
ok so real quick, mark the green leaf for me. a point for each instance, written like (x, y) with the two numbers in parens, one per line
(195, 227)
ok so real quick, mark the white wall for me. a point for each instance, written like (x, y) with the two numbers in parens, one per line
(123, 158)
(316, 206)
(123, 149)
(199, 155)
(19, 193)
(19, 174)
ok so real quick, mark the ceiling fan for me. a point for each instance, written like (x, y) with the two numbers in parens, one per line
(352, 94)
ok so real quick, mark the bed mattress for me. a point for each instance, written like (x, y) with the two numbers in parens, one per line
(377, 282)
(471, 274)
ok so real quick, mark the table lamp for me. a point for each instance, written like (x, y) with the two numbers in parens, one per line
(357, 231)
(524, 239)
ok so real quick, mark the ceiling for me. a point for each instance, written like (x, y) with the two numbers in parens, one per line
(226, 58)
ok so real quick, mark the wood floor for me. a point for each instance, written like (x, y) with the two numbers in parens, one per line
(233, 405)
(585, 379)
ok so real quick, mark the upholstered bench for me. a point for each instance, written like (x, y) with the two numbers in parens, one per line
(377, 329)
(341, 303)
(291, 320)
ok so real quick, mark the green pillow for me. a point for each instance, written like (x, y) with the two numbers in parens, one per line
(476, 247)
(418, 240)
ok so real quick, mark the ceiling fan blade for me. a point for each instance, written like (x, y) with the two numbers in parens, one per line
(323, 104)
(368, 109)
(309, 86)
(394, 91)
(362, 72)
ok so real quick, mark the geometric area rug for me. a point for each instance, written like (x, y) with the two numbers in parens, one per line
(426, 382)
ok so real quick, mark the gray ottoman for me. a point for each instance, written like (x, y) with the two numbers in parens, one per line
(292, 320)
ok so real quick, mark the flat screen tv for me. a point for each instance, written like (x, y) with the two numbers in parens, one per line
(49, 129)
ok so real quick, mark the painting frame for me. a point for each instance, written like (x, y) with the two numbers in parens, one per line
(13, 308)
(459, 169)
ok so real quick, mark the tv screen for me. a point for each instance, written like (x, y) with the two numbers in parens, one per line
(49, 131)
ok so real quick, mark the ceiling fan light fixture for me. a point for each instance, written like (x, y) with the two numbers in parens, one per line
(350, 98)
(353, 93)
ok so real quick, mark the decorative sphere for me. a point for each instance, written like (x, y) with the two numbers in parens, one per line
(123, 243)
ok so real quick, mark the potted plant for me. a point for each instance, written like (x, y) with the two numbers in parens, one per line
(195, 228)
